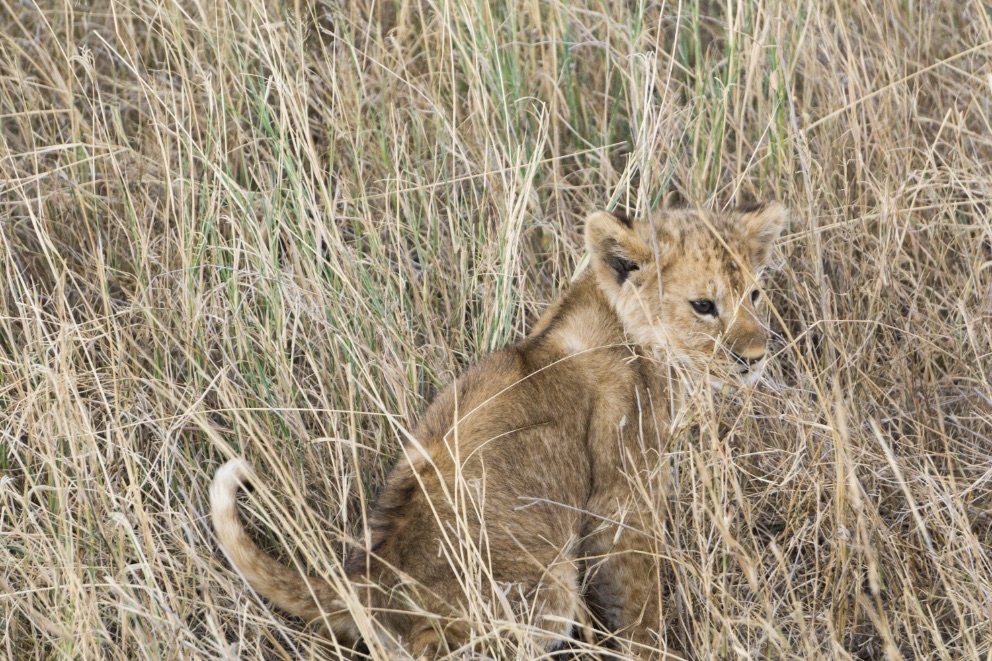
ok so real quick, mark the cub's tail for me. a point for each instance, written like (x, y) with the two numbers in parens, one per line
(304, 596)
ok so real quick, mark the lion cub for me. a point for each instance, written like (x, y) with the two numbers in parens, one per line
(526, 460)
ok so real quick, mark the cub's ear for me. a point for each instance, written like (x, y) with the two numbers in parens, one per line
(615, 249)
(761, 225)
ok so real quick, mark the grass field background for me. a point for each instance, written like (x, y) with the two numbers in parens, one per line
(275, 230)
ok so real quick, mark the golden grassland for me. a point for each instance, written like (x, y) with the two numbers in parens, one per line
(275, 230)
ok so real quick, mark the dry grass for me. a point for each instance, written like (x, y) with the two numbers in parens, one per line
(242, 228)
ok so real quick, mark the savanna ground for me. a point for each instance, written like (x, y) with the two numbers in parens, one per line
(275, 230)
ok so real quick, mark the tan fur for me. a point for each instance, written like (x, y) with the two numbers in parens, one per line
(536, 446)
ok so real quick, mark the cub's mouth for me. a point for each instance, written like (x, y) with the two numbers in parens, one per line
(723, 373)
(727, 378)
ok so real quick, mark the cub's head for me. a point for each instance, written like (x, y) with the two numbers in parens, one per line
(684, 283)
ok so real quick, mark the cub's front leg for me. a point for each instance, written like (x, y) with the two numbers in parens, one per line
(626, 585)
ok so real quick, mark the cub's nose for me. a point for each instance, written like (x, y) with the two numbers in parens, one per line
(748, 361)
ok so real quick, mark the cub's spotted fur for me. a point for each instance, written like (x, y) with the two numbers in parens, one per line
(537, 444)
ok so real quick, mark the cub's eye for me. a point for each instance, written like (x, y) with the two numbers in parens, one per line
(754, 296)
(704, 307)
